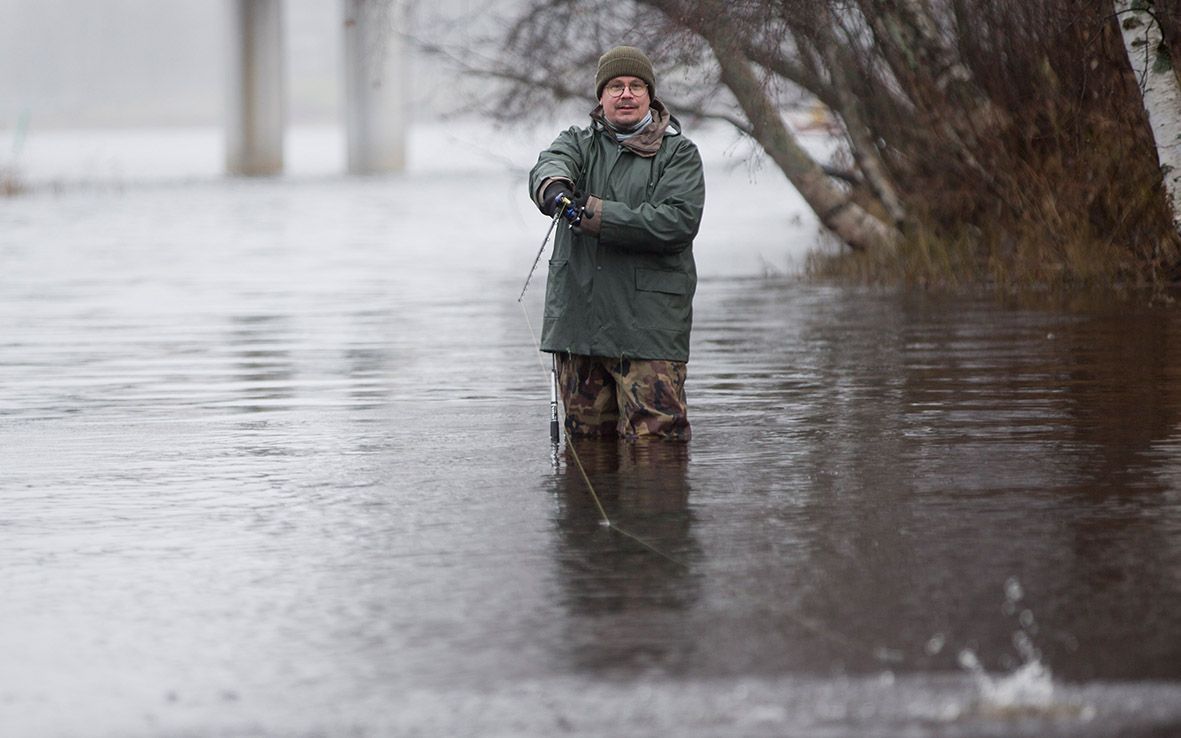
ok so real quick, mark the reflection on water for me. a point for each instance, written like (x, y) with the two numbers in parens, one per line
(279, 464)
(265, 369)
(939, 446)
(640, 564)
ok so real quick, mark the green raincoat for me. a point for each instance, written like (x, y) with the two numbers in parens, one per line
(622, 284)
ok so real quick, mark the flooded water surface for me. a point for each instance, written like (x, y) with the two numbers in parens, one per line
(274, 460)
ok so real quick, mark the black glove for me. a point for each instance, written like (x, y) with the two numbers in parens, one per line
(551, 199)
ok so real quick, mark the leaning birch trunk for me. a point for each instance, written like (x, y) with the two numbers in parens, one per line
(1158, 90)
(861, 142)
(837, 212)
(851, 223)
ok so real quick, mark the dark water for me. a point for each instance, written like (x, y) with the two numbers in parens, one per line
(274, 460)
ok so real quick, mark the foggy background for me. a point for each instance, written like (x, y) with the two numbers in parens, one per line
(122, 91)
(104, 95)
(127, 63)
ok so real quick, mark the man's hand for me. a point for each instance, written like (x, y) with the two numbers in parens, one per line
(574, 211)
(556, 196)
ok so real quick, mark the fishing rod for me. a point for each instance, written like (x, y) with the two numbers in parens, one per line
(571, 213)
(568, 210)
(540, 251)
(554, 435)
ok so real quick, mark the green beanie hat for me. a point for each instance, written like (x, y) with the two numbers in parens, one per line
(624, 61)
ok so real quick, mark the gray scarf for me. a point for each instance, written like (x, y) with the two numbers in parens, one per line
(622, 134)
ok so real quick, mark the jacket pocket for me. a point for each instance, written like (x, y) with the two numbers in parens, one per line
(661, 301)
(557, 293)
(656, 280)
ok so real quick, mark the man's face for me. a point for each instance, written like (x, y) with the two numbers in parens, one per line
(628, 108)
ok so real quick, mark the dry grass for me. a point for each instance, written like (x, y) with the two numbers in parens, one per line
(1060, 189)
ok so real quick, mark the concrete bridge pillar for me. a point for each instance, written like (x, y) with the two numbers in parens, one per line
(375, 84)
(256, 105)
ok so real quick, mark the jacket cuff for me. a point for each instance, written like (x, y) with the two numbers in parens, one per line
(592, 217)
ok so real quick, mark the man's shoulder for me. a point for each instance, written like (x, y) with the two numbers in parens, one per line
(573, 137)
(675, 140)
(577, 131)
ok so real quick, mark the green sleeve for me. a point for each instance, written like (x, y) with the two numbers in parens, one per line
(562, 160)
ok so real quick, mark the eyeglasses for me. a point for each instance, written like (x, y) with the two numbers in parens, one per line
(615, 89)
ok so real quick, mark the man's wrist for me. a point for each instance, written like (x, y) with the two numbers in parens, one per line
(592, 216)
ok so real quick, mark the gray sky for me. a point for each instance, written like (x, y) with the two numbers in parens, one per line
(128, 63)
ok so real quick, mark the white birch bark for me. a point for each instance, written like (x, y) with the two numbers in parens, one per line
(850, 222)
(835, 209)
(864, 151)
(1159, 91)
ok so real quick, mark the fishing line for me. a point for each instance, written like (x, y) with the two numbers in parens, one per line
(537, 258)
(605, 520)
(816, 628)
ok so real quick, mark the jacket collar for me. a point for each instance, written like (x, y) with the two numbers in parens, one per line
(646, 142)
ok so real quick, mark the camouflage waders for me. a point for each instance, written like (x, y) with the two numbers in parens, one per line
(630, 398)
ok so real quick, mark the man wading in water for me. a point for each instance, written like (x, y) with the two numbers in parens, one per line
(619, 298)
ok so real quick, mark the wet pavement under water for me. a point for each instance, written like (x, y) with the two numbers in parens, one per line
(274, 460)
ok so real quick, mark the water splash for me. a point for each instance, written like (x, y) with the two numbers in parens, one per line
(935, 644)
(1013, 591)
(1029, 687)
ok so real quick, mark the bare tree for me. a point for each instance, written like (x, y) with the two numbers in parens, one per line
(835, 207)
(1011, 130)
